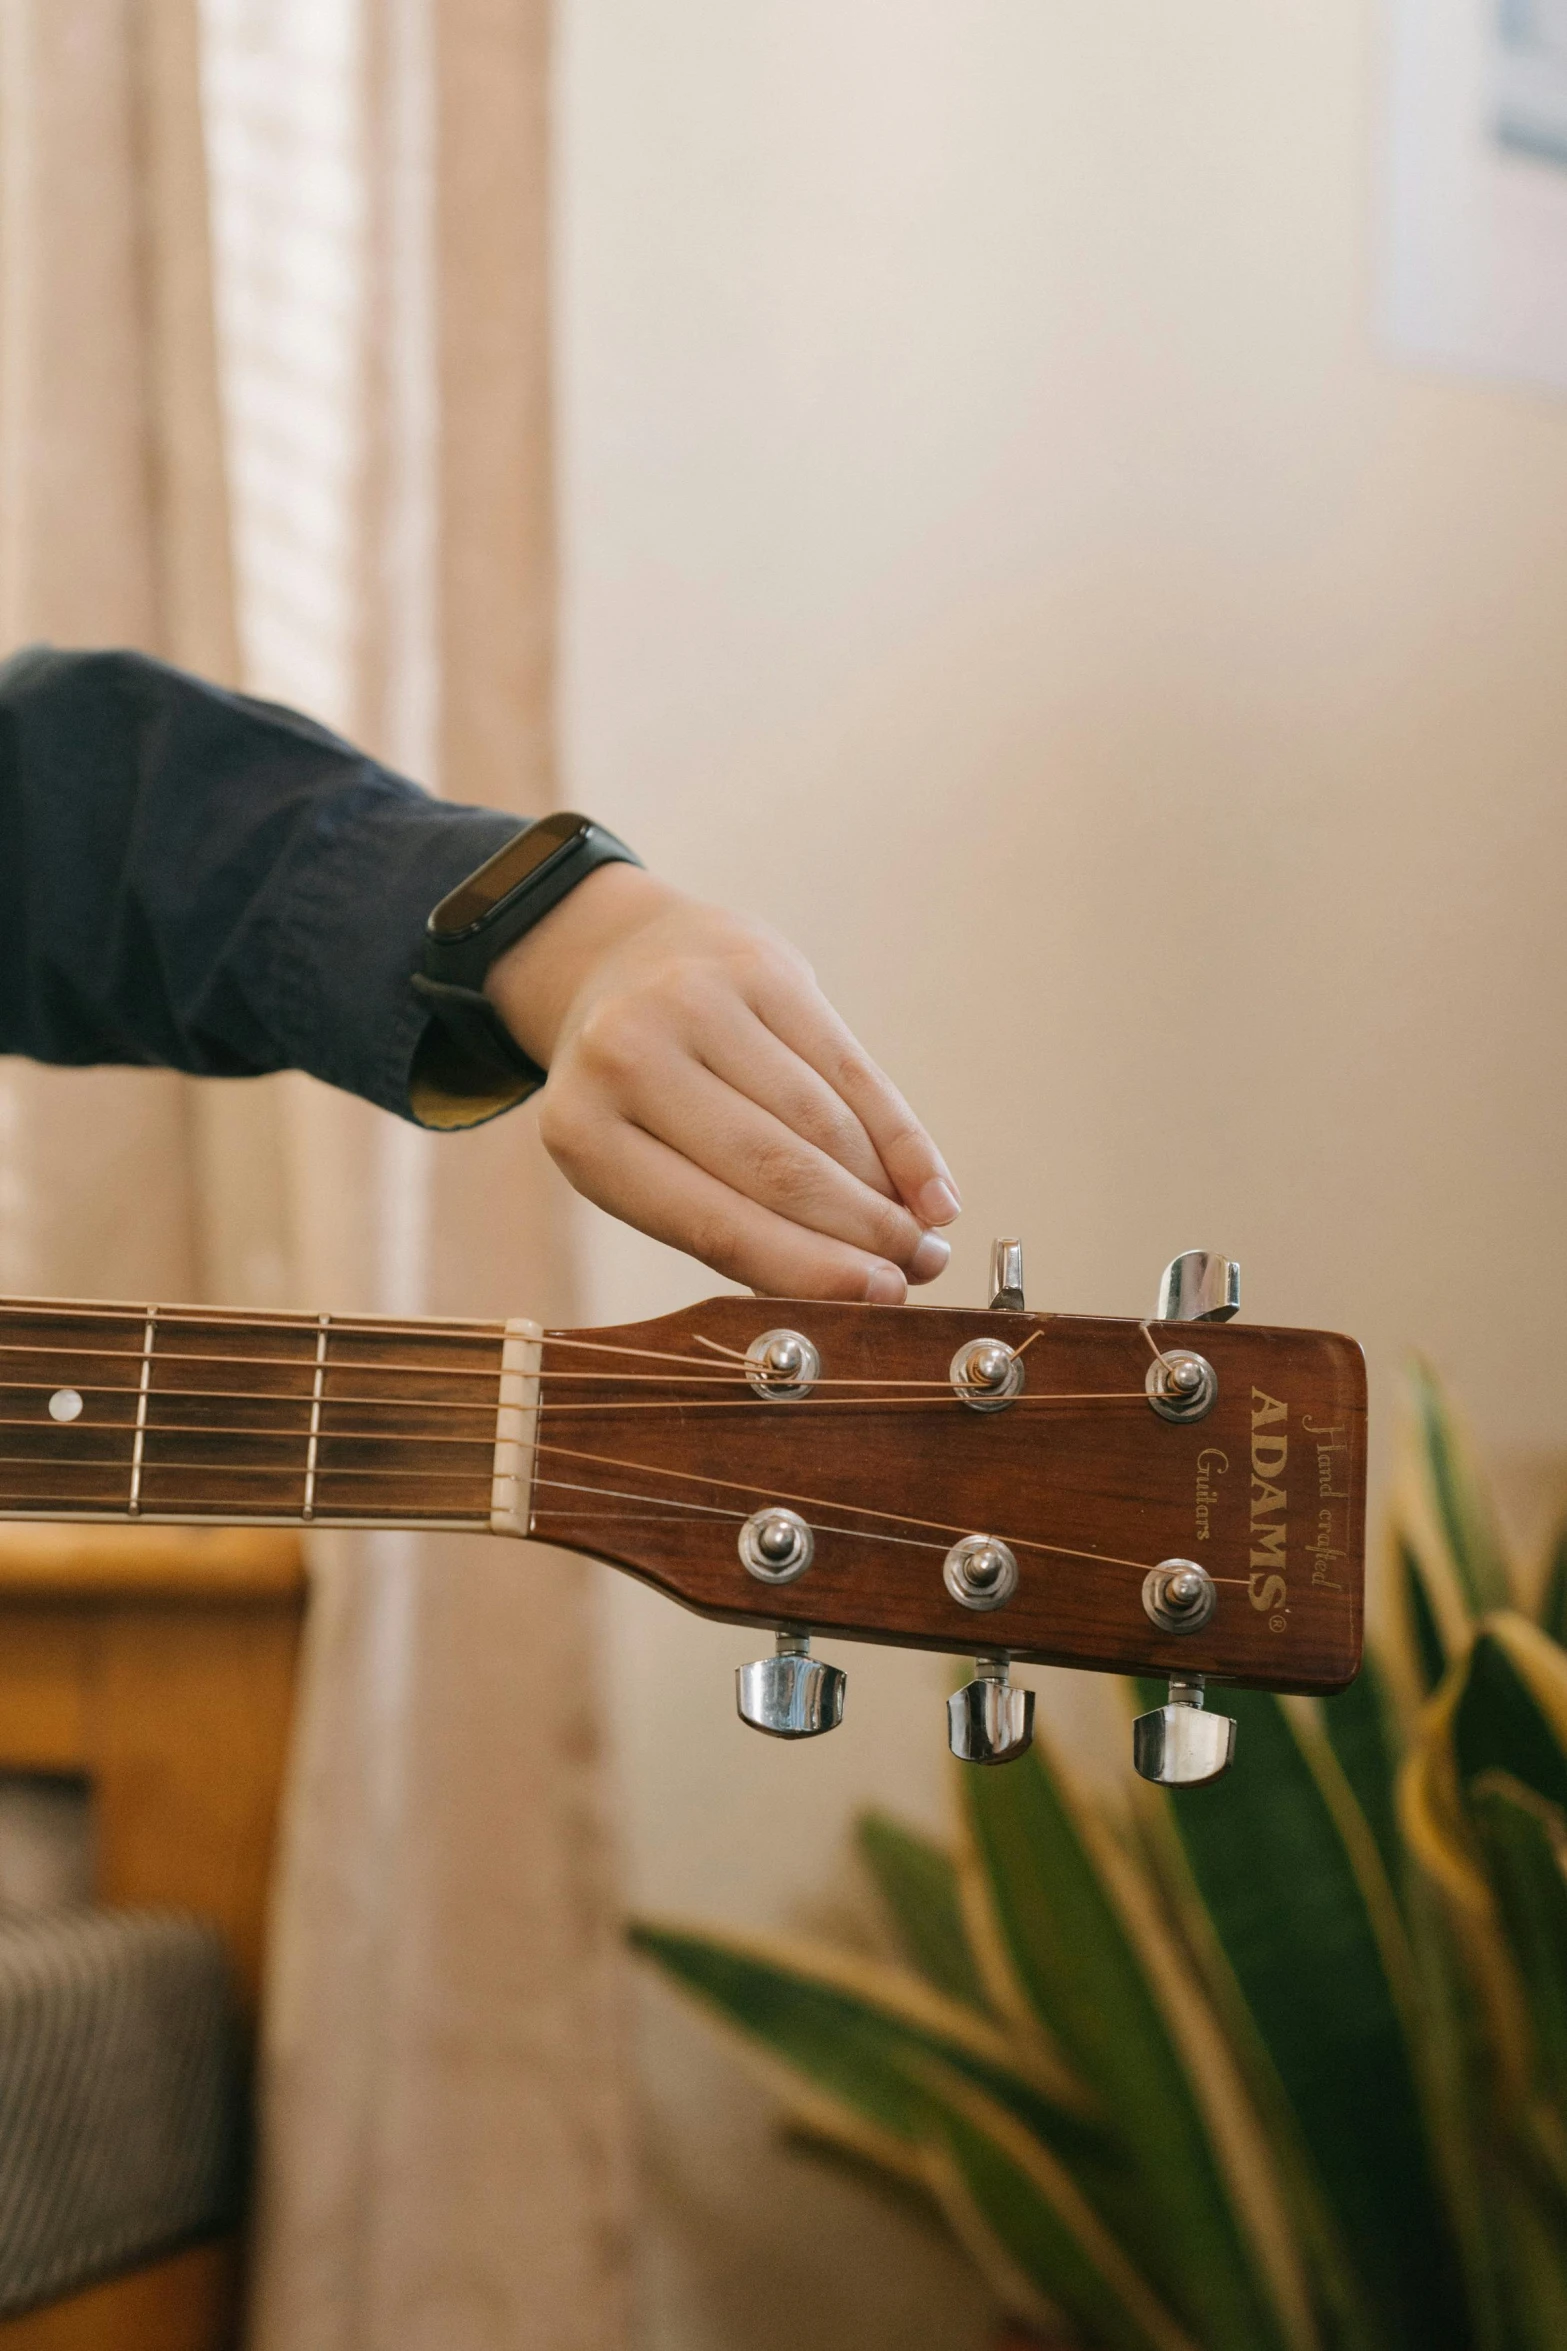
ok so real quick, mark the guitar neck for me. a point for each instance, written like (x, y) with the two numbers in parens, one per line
(187, 1415)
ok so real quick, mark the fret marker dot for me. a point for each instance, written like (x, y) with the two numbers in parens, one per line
(64, 1404)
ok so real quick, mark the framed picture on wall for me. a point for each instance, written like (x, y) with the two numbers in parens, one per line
(1531, 78)
(1474, 187)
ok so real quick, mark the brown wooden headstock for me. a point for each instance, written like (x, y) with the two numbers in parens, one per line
(655, 1449)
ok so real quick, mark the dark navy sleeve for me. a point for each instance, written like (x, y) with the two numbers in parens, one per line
(209, 883)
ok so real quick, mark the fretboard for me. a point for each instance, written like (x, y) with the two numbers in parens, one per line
(183, 1413)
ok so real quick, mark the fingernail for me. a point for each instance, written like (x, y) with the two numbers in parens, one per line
(938, 1203)
(885, 1286)
(929, 1258)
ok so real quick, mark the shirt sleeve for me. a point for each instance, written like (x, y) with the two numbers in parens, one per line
(197, 880)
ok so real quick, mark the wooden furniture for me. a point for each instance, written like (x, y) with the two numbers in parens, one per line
(158, 1663)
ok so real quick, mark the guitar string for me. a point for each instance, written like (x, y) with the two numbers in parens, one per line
(487, 1373)
(360, 1326)
(816, 1502)
(68, 1433)
(453, 1370)
(683, 1509)
(638, 1468)
(603, 1460)
(938, 1387)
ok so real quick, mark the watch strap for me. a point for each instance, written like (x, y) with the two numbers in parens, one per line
(476, 1030)
(463, 961)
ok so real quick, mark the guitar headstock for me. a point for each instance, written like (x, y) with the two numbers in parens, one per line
(1183, 1497)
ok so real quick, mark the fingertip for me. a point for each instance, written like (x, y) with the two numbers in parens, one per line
(937, 1201)
(885, 1286)
(931, 1258)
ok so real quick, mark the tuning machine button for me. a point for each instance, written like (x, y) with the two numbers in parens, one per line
(782, 1366)
(1181, 1745)
(1199, 1287)
(790, 1695)
(988, 1721)
(1006, 1277)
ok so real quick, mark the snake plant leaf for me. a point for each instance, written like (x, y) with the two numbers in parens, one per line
(854, 2040)
(1359, 1728)
(1534, 2271)
(1458, 2066)
(1524, 1840)
(1498, 1730)
(1553, 1593)
(1027, 2223)
(1448, 1513)
(874, 2062)
(1294, 1884)
(1422, 1634)
(1074, 1939)
(918, 1883)
(1511, 1709)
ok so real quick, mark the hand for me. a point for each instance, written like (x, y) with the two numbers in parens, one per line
(702, 1088)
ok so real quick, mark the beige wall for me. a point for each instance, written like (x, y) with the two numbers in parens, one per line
(997, 552)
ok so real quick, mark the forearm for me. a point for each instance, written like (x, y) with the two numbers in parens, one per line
(197, 880)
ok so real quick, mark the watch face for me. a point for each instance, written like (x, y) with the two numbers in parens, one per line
(474, 900)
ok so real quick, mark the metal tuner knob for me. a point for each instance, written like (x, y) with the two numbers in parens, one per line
(987, 1720)
(790, 1695)
(1199, 1287)
(1006, 1277)
(1181, 1745)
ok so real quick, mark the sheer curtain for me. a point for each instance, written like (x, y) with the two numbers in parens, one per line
(442, 2159)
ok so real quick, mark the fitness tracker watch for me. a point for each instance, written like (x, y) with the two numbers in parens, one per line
(471, 1063)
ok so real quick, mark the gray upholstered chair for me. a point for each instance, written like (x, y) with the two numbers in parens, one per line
(156, 1666)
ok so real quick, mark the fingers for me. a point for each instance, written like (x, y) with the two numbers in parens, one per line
(737, 1047)
(800, 1016)
(759, 1156)
(640, 1178)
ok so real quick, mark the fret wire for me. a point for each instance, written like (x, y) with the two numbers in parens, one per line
(315, 1418)
(141, 1409)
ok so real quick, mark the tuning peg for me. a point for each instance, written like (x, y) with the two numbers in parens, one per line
(987, 1720)
(1199, 1287)
(790, 1695)
(1181, 1745)
(1006, 1276)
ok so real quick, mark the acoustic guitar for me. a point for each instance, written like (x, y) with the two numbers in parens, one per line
(1182, 1497)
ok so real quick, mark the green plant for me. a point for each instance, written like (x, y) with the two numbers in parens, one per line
(1279, 2065)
